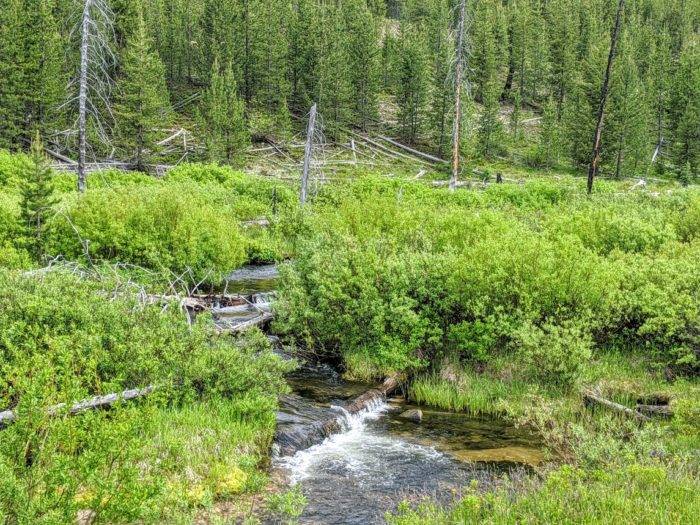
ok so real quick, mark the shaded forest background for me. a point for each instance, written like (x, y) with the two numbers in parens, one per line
(234, 71)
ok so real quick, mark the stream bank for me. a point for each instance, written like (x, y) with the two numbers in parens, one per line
(356, 460)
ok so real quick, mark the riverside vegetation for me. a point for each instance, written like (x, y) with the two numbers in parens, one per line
(508, 300)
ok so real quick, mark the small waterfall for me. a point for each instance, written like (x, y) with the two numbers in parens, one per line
(296, 438)
(349, 428)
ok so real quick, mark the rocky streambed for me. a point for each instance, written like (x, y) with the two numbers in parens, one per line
(352, 453)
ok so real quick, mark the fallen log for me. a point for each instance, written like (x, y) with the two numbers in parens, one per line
(292, 440)
(593, 398)
(415, 152)
(662, 411)
(10, 416)
(259, 320)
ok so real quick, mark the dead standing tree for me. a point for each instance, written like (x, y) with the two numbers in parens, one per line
(459, 74)
(595, 156)
(308, 154)
(93, 81)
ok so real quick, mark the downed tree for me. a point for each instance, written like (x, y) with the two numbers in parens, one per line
(297, 438)
(10, 416)
(591, 398)
(415, 152)
(263, 318)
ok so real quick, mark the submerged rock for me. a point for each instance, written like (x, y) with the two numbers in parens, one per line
(524, 455)
(415, 415)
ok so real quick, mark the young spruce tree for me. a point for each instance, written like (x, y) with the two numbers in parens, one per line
(223, 117)
(37, 199)
(142, 105)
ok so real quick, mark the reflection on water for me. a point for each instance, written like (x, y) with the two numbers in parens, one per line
(254, 278)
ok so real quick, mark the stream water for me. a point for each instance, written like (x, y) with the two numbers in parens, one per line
(374, 459)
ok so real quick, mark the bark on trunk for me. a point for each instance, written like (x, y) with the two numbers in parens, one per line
(457, 124)
(82, 96)
(595, 155)
(308, 153)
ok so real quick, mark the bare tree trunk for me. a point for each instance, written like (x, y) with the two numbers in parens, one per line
(308, 154)
(595, 156)
(82, 95)
(456, 127)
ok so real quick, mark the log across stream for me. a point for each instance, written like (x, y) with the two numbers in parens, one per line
(354, 458)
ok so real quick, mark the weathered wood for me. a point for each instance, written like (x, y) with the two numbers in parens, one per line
(663, 411)
(386, 151)
(595, 156)
(593, 398)
(308, 154)
(257, 222)
(259, 320)
(83, 95)
(415, 152)
(457, 124)
(10, 416)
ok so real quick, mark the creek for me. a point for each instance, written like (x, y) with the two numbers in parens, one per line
(362, 465)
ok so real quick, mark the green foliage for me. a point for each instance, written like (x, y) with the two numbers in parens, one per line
(37, 200)
(143, 105)
(634, 493)
(67, 338)
(392, 276)
(289, 504)
(223, 119)
(412, 83)
(169, 227)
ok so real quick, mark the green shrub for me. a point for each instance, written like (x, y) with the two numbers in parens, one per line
(171, 227)
(202, 431)
(11, 167)
(555, 353)
(390, 275)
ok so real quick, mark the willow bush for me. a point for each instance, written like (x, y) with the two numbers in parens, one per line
(66, 338)
(405, 275)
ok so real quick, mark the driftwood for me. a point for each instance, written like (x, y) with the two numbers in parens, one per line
(263, 223)
(590, 397)
(663, 411)
(9, 416)
(259, 320)
(308, 154)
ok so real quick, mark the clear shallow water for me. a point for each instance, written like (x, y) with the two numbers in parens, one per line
(380, 459)
(251, 279)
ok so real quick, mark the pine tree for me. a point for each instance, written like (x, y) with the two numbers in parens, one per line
(37, 199)
(11, 81)
(489, 134)
(333, 81)
(142, 106)
(548, 150)
(442, 88)
(685, 111)
(220, 32)
(270, 50)
(363, 61)
(412, 88)
(44, 81)
(516, 117)
(223, 117)
(562, 52)
(628, 125)
(32, 84)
